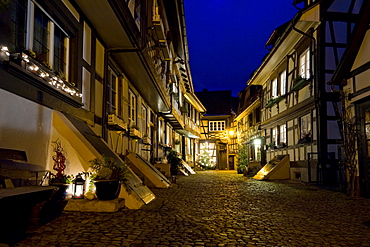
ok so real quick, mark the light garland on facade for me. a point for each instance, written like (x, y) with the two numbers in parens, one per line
(53, 80)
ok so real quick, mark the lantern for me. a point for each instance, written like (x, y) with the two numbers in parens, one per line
(79, 187)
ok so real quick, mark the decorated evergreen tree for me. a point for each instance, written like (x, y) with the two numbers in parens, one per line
(205, 160)
(243, 157)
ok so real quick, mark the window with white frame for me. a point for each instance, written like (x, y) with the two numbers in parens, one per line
(18, 22)
(304, 64)
(283, 83)
(111, 92)
(132, 107)
(283, 133)
(144, 118)
(168, 134)
(274, 88)
(305, 126)
(48, 40)
(216, 125)
(274, 136)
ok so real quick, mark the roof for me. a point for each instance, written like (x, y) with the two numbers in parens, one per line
(276, 34)
(247, 96)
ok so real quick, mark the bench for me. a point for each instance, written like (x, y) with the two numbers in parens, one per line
(22, 199)
(15, 171)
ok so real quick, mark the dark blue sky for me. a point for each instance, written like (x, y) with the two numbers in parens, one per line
(227, 37)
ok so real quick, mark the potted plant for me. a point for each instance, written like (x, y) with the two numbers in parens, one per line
(270, 102)
(107, 176)
(61, 180)
(271, 145)
(282, 145)
(299, 83)
(306, 138)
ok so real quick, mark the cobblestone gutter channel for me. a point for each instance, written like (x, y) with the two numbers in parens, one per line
(220, 209)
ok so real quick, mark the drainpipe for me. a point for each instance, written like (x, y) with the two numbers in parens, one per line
(316, 89)
(105, 81)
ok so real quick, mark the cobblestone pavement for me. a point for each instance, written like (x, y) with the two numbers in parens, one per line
(220, 208)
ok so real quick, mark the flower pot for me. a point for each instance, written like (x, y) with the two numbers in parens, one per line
(61, 193)
(107, 189)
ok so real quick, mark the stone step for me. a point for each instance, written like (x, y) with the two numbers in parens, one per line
(83, 205)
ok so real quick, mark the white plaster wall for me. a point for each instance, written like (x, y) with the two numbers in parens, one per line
(118, 141)
(74, 163)
(362, 80)
(304, 93)
(25, 125)
(364, 52)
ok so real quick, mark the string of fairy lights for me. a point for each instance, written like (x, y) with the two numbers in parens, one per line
(51, 79)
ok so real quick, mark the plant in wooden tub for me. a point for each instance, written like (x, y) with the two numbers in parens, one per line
(107, 176)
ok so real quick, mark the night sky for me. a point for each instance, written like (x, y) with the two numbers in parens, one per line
(227, 37)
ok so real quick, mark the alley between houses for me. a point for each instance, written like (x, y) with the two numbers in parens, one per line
(220, 208)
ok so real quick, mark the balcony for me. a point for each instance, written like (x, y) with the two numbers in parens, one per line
(174, 115)
(191, 129)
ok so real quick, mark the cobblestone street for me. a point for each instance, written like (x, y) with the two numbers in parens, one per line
(220, 208)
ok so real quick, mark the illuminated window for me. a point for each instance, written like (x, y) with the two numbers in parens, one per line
(283, 83)
(274, 136)
(305, 126)
(216, 125)
(283, 133)
(304, 64)
(274, 88)
(132, 107)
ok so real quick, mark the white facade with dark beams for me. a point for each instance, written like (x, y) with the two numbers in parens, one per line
(298, 115)
(352, 77)
(108, 66)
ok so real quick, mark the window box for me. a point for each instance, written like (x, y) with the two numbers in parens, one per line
(278, 99)
(305, 140)
(299, 83)
(134, 133)
(146, 140)
(272, 101)
(271, 146)
(281, 145)
(116, 123)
